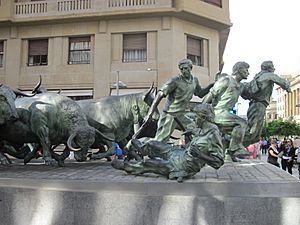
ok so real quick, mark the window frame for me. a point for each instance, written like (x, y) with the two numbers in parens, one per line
(88, 50)
(214, 3)
(37, 59)
(2, 54)
(198, 60)
(139, 54)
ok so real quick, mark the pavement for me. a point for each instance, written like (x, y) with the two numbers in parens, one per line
(294, 170)
(101, 171)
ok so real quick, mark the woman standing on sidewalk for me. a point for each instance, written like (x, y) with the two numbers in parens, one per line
(273, 153)
(288, 156)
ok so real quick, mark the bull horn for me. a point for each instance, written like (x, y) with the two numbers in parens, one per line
(69, 143)
(1, 85)
(37, 86)
(102, 135)
(20, 93)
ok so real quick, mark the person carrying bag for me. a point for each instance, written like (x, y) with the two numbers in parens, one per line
(273, 154)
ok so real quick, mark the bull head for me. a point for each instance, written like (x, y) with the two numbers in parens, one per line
(8, 109)
(85, 137)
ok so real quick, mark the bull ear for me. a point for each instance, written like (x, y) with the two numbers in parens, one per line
(149, 91)
(37, 86)
(155, 90)
(1, 85)
(108, 137)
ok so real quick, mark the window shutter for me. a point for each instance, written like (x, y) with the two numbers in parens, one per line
(80, 39)
(80, 43)
(1, 46)
(38, 47)
(193, 46)
(134, 41)
(215, 2)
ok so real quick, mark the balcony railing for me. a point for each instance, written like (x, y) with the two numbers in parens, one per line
(74, 5)
(63, 7)
(31, 8)
(130, 3)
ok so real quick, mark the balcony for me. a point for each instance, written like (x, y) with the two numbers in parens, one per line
(212, 13)
(64, 8)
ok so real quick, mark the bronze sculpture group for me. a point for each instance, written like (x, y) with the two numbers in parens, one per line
(46, 120)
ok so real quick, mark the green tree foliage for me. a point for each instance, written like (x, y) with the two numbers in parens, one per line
(281, 128)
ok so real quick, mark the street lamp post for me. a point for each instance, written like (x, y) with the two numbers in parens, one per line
(118, 79)
(119, 84)
(156, 77)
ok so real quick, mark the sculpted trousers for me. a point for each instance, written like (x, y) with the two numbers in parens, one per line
(233, 125)
(255, 116)
(167, 124)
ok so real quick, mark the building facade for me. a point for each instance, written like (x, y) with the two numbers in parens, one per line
(84, 46)
(271, 111)
(288, 103)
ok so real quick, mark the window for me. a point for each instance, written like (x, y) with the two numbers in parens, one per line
(135, 47)
(214, 2)
(79, 50)
(38, 52)
(194, 49)
(1, 53)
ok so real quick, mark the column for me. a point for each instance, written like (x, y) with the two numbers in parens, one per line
(13, 61)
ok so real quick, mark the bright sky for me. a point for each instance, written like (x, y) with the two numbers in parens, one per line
(264, 30)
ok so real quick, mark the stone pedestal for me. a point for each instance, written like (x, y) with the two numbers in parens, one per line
(251, 192)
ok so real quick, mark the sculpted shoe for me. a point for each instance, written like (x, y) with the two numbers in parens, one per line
(229, 157)
(242, 152)
(118, 164)
(137, 144)
(134, 169)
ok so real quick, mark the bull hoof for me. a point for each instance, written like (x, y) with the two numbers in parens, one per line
(97, 156)
(50, 162)
(79, 157)
(4, 160)
(108, 159)
(82, 159)
(61, 163)
(28, 157)
(179, 179)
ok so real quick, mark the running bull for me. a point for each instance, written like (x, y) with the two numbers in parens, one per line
(122, 115)
(57, 119)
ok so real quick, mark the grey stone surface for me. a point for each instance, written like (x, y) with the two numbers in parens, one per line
(250, 192)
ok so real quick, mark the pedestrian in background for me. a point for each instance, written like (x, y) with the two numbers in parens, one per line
(264, 146)
(288, 156)
(273, 154)
(258, 150)
(298, 161)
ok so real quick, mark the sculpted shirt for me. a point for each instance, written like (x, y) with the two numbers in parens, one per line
(179, 92)
(265, 82)
(208, 141)
(225, 92)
